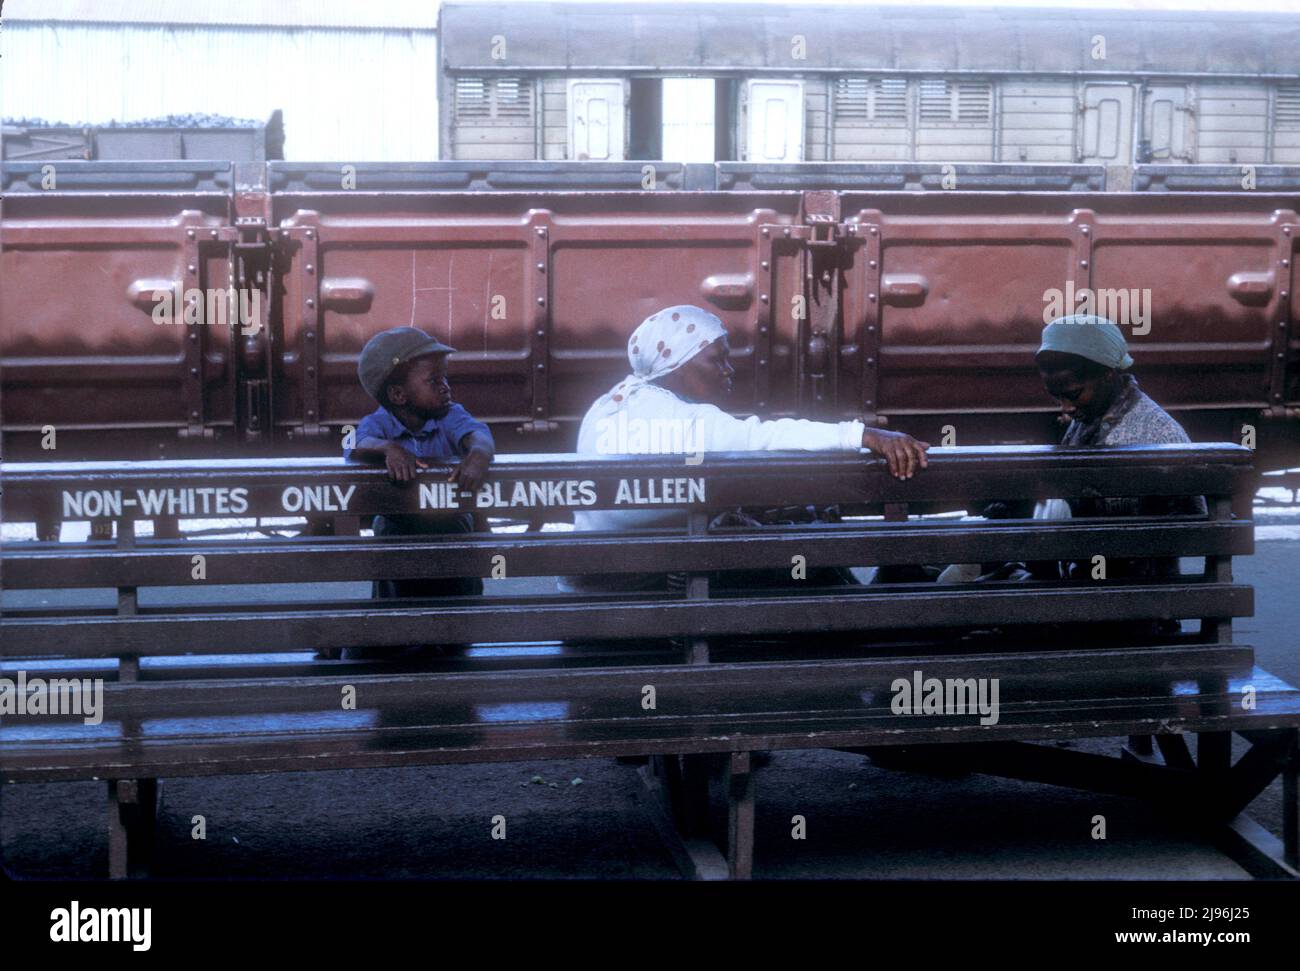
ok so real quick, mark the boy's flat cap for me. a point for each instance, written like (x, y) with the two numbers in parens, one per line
(389, 348)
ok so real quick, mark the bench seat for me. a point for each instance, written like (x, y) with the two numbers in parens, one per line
(163, 728)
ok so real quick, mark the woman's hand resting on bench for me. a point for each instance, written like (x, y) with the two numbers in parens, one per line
(905, 455)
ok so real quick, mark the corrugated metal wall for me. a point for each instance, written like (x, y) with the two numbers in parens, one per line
(346, 94)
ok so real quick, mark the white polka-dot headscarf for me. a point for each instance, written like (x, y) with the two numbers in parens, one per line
(667, 340)
(664, 342)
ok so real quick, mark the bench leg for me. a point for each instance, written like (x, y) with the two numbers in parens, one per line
(1291, 802)
(733, 771)
(132, 818)
(1228, 791)
(739, 786)
(693, 808)
(663, 796)
(1175, 752)
(48, 528)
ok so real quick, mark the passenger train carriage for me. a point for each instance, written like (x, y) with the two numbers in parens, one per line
(874, 84)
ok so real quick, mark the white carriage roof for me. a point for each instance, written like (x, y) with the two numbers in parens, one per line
(734, 37)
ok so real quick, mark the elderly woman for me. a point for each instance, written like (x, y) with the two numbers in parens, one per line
(1084, 364)
(1084, 360)
(681, 371)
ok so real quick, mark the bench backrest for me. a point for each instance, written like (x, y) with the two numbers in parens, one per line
(554, 487)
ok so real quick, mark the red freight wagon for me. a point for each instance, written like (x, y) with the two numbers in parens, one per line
(920, 309)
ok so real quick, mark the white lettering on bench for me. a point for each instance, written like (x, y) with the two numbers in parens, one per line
(197, 501)
(439, 495)
(528, 493)
(543, 493)
(316, 498)
(638, 492)
(506, 495)
(92, 503)
(219, 500)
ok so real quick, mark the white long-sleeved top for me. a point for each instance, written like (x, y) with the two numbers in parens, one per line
(653, 420)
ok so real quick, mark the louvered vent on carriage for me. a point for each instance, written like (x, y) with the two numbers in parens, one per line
(967, 101)
(889, 99)
(473, 100)
(974, 101)
(936, 101)
(1286, 109)
(514, 99)
(497, 100)
(852, 100)
(871, 99)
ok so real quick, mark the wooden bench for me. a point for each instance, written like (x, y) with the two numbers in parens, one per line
(197, 683)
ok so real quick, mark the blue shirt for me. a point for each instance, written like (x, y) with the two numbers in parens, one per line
(437, 442)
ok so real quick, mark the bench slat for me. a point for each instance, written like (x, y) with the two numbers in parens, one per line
(340, 560)
(1096, 709)
(448, 696)
(733, 479)
(455, 622)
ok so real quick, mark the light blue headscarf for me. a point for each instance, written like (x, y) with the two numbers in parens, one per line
(1089, 336)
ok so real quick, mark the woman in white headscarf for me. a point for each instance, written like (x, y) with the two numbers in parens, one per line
(669, 405)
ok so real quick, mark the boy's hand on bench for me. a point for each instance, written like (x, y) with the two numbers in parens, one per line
(905, 455)
(402, 465)
(472, 471)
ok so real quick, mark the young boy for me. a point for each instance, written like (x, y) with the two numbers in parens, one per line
(416, 424)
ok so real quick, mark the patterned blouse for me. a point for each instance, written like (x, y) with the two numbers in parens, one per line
(1133, 419)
